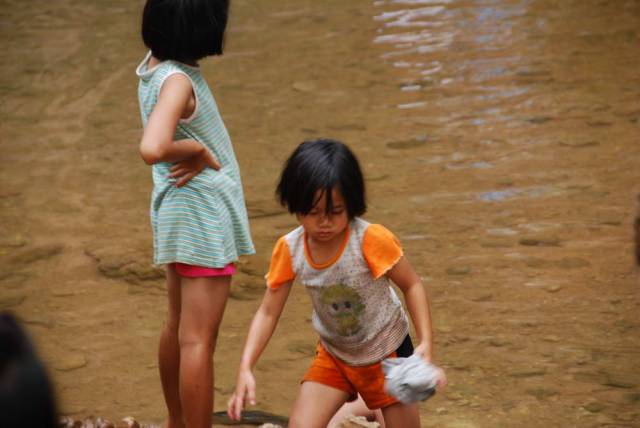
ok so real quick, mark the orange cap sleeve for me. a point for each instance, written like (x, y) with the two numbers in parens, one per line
(280, 269)
(381, 249)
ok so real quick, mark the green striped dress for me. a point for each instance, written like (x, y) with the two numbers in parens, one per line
(205, 222)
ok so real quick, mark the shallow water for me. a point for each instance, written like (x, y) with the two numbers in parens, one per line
(499, 142)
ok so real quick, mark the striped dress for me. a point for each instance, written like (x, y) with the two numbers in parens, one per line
(203, 223)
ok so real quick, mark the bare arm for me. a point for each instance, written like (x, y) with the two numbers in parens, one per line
(403, 275)
(157, 143)
(262, 328)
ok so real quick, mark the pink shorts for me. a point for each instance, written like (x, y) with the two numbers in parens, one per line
(191, 271)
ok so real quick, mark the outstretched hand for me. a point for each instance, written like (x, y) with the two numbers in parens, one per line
(188, 168)
(245, 390)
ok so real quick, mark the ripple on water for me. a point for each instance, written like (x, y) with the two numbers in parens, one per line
(503, 195)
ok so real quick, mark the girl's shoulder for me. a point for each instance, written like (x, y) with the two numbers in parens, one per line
(294, 237)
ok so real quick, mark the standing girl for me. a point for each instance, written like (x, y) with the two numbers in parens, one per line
(198, 215)
(347, 266)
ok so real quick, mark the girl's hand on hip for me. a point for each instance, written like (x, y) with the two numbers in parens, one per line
(245, 389)
(186, 169)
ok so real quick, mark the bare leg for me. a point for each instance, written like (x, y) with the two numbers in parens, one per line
(169, 352)
(315, 405)
(203, 303)
(402, 416)
(357, 408)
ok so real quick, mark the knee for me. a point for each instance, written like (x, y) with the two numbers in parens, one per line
(191, 338)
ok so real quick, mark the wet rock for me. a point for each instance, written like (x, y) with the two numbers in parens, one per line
(246, 292)
(130, 422)
(11, 299)
(591, 377)
(524, 373)
(12, 278)
(38, 320)
(498, 342)
(540, 242)
(251, 271)
(357, 422)
(534, 262)
(15, 240)
(538, 120)
(30, 255)
(70, 363)
(90, 422)
(598, 123)
(620, 380)
(572, 263)
(102, 423)
(483, 298)
(144, 272)
(418, 141)
(594, 407)
(633, 398)
(458, 270)
(579, 144)
(304, 86)
(542, 393)
(115, 263)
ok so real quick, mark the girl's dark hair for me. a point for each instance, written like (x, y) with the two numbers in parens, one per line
(184, 30)
(321, 165)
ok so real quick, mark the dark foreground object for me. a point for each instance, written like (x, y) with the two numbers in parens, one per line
(251, 417)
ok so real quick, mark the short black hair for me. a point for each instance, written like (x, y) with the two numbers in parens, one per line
(26, 394)
(184, 30)
(321, 165)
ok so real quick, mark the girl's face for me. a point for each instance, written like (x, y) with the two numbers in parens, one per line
(323, 227)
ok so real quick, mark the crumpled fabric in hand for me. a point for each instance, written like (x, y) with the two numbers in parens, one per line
(409, 379)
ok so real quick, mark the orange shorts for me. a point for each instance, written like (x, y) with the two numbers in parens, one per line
(368, 381)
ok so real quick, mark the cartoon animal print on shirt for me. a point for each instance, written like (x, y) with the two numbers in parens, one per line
(344, 305)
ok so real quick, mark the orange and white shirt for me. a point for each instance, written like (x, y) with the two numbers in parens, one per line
(356, 312)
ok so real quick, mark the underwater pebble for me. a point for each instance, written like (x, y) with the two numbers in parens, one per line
(527, 373)
(69, 363)
(540, 242)
(458, 270)
(542, 393)
(31, 255)
(10, 300)
(594, 407)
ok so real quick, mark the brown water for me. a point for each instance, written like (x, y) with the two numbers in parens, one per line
(499, 140)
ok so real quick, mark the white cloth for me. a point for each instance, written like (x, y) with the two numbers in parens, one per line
(409, 379)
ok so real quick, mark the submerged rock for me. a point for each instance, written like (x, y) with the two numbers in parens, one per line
(71, 362)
